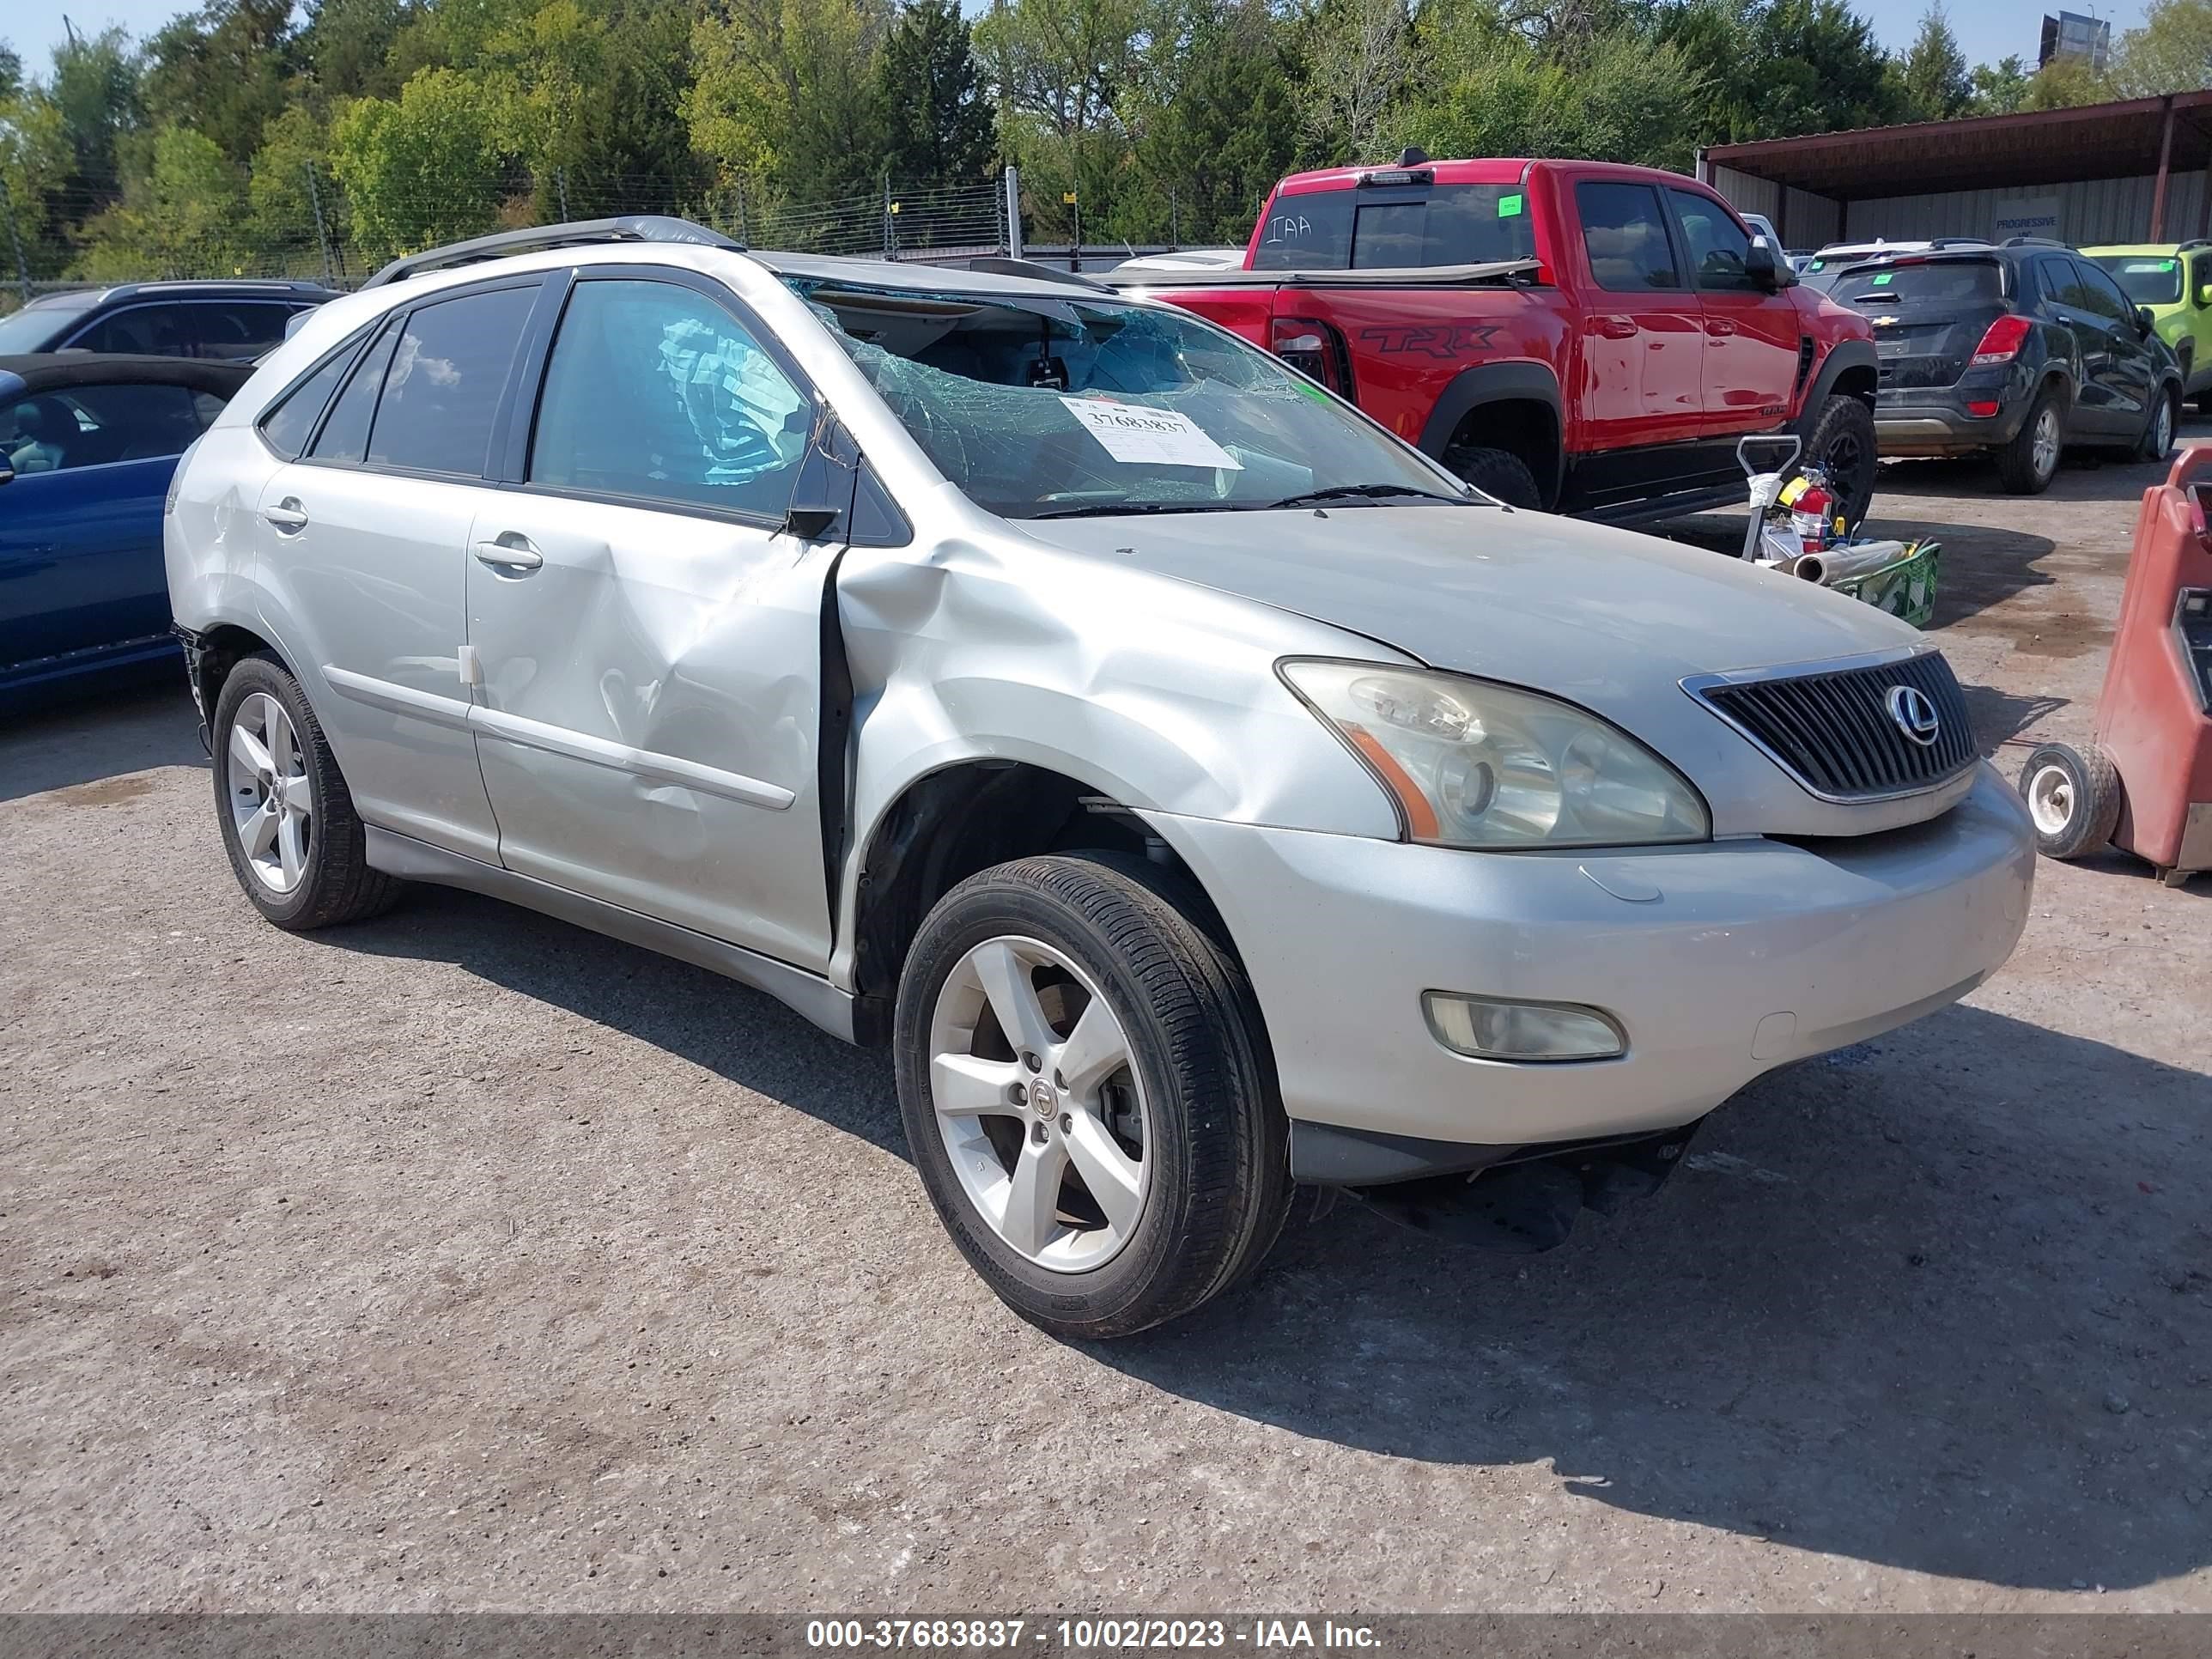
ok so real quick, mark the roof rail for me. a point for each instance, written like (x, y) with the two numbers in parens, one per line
(1959, 241)
(2036, 241)
(995, 265)
(628, 228)
(2193, 242)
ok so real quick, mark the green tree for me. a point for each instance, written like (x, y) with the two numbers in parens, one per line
(94, 88)
(427, 167)
(346, 45)
(2170, 52)
(1770, 69)
(786, 95)
(181, 218)
(1935, 83)
(937, 124)
(222, 71)
(1360, 61)
(1220, 135)
(2065, 83)
(2000, 88)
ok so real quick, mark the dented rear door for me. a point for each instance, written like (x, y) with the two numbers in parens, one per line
(647, 636)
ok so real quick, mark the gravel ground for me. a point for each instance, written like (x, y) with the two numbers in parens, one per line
(463, 1259)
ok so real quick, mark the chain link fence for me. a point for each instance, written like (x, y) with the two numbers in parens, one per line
(299, 222)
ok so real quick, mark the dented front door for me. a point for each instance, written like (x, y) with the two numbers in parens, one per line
(647, 711)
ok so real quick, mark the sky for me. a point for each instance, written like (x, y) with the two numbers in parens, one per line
(1987, 29)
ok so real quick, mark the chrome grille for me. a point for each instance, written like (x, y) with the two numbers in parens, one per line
(1831, 729)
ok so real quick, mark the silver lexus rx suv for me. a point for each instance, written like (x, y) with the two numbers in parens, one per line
(1201, 791)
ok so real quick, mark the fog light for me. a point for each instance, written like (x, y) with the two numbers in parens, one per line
(1981, 411)
(1490, 1028)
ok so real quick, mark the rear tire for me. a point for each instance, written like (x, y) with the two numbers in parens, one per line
(1188, 1098)
(2026, 465)
(1845, 446)
(2073, 798)
(2159, 424)
(1498, 473)
(286, 817)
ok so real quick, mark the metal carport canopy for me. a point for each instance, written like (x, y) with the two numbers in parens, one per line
(2142, 136)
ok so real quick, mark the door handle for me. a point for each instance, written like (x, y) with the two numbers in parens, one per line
(511, 554)
(1615, 328)
(1718, 326)
(288, 515)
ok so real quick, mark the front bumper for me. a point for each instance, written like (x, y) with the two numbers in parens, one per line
(1746, 954)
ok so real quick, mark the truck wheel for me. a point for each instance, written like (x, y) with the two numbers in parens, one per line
(2026, 465)
(283, 809)
(1498, 473)
(2073, 799)
(1843, 447)
(1088, 1095)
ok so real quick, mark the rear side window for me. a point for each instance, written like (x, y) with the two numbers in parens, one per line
(153, 330)
(654, 391)
(344, 436)
(1939, 281)
(1626, 236)
(1396, 229)
(2057, 279)
(288, 426)
(233, 331)
(442, 391)
(1719, 249)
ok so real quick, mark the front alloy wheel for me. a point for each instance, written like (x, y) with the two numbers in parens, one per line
(1039, 1114)
(1087, 1092)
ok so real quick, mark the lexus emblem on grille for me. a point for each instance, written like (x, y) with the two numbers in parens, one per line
(1914, 711)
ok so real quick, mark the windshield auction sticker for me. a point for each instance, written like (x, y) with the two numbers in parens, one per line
(1138, 436)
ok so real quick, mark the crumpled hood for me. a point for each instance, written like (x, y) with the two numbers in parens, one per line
(1507, 595)
(1607, 618)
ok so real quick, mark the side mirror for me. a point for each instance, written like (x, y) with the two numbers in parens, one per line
(2144, 321)
(822, 495)
(1762, 267)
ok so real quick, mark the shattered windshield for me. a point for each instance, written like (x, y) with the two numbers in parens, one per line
(1038, 406)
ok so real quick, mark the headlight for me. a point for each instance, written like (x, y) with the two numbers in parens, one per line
(1473, 765)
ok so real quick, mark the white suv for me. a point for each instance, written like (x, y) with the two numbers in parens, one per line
(1203, 791)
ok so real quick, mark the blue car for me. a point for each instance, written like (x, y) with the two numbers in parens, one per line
(88, 444)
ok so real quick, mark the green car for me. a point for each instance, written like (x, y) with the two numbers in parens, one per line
(2173, 280)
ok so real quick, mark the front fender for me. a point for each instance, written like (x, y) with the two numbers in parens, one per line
(1157, 694)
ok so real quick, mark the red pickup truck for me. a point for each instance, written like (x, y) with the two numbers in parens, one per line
(1576, 336)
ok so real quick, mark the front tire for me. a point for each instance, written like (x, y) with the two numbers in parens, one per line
(2073, 799)
(1087, 1094)
(286, 816)
(1845, 448)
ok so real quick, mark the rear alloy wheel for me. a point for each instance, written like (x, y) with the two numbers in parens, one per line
(1845, 447)
(1087, 1095)
(2073, 799)
(2026, 465)
(285, 813)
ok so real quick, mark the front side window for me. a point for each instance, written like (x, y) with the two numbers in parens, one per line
(2146, 280)
(1042, 407)
(97, 426)
(1625, 237)
(449, 369)
(1719, 250)
(2100, 294)
(654, 391)
(234, 330)
(156, 330)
